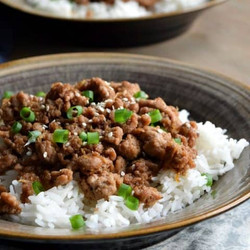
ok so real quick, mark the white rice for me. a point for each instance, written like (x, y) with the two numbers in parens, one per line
(54, 207)
(119, 9)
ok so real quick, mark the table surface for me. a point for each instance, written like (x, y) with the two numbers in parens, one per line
(218, 40)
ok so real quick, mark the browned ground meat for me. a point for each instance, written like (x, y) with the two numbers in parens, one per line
(131, 152)
(9, 204)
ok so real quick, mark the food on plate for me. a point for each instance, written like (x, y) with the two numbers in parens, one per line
(103, 154)
(112, 8)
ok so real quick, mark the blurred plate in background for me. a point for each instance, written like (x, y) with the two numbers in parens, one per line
(106, 32)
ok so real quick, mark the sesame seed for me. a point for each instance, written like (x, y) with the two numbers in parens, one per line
(45, 126)
(84, 143)
(67, 144)
(96, 113)
(113, 107)
(133, 166)
(29, 153)
(188, 125)
(84, 124)
(47, 107)
(122, 173)
(133, 102)
(42, 106)
(77, 94)
(31, 96)
(40, 99)
(93, 104)
(108, 100)
(125, 99)
(45, 154)
(75, 133)
(160, 131)
(108, 83)
(110, 134)
(90, 120)
(100, 136)
(108, 110)
(101, 109)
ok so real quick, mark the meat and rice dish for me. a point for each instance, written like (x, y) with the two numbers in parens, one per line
(111, 8)
(103, 154)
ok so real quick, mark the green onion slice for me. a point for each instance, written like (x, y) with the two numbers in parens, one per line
(83, 136)
(61, 135)
(27, 115)
(155, 115)
(177, 140)
(89, 94)
(37, 187)
(40, 94)
(33, 136)
(209, 179)
(122, 115)
(213, 193)
(93, 137)
(74, 112)
(7, 94)
(16, 127)
(141, 95)
(124, 191)
(132, 203)
(77, 221)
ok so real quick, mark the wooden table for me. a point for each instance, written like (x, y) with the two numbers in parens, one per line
(219, 40)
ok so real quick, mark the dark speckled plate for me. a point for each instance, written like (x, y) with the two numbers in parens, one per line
(207, 95)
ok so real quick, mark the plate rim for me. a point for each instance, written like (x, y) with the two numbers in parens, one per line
(35, 62)
(29, 10)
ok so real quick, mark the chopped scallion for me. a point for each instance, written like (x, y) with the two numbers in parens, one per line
(83, 136)
(40, 94)
(213, 193)
(60, 135)
(177, 140)
(89, 94)
(7, 94)
(209, 179)
(93, 137)
(155, 115)
(122, 115)
(74, 112)
(140, 95)
(77, 221)
(33, 136)
(27, 115)
(132, 202)
(16, 127)
(124, 191)
(37, 187)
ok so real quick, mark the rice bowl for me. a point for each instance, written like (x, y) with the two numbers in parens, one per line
(181, 81)
(119, 9)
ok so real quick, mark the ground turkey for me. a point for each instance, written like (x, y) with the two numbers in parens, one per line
(94, 148)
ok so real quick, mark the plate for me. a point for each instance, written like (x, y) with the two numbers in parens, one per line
(207, 95)
(117, 32)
